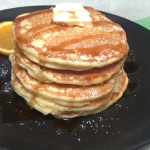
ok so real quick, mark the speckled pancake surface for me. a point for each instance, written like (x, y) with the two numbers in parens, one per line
(69, 93)
(61, 111)
(73, 48)
(87, 77)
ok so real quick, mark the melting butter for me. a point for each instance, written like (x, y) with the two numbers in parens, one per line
(71, 14)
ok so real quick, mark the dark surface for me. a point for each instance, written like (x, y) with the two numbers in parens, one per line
(125, 125)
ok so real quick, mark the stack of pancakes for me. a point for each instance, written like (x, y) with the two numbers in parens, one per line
(68, 71)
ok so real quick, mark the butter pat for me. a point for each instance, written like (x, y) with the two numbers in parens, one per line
(71, 14)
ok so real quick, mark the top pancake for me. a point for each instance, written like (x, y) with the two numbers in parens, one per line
(73, 48)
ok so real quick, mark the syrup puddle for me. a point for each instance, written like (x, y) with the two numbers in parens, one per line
(15, 111)
(132, 88)
(67, 126)
(132, 68)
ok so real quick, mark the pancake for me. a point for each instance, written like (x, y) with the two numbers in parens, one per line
(63, 92)
(69, 48)
(88, 77)
(115, 97)
(45, 103)
(60, 111)
(68, 71)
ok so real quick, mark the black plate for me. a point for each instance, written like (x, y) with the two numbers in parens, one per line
(125, 125)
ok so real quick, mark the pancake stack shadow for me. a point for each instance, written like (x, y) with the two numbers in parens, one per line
(68, 71)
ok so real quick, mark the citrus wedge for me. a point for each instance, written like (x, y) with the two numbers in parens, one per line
(6, 38)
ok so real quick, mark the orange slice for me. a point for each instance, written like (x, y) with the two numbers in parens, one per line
(6, 38)
(24, 14)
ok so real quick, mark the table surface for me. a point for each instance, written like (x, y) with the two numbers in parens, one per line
(131, 9)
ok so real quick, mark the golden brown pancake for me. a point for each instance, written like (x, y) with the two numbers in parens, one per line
(61, 111)
(87, 77)
(73, 48)
(63, 92)
(115, 97)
